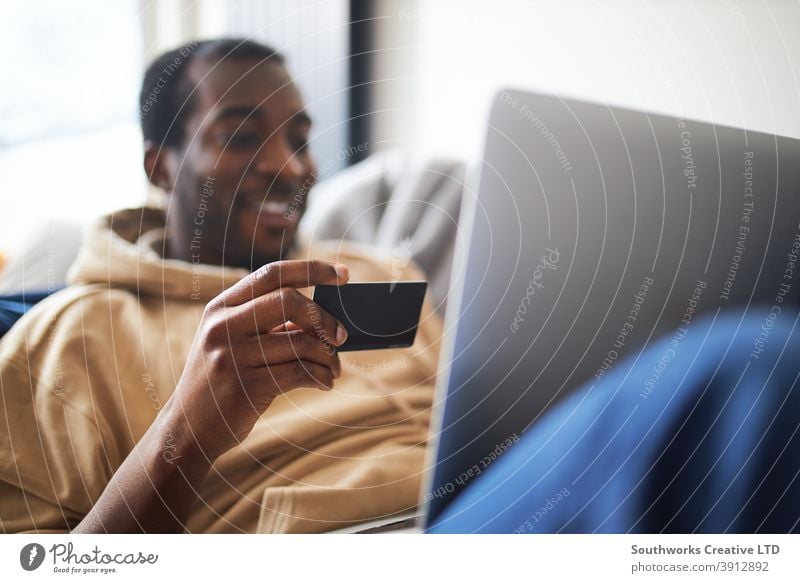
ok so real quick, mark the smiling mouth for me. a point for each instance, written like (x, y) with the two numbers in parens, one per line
(276, 214)
(273, 207)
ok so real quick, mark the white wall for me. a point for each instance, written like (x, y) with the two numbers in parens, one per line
(732, 62)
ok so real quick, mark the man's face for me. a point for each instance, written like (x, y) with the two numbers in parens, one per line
(243, 177)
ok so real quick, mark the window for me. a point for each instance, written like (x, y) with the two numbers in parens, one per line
(70, 146)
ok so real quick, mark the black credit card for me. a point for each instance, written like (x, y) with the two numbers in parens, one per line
(376, 315)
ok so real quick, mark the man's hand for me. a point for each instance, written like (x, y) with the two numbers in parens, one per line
(258, 339)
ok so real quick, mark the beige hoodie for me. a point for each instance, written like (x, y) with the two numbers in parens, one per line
(85, 373)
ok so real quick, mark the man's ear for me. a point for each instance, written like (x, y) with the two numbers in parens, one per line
(157, 166)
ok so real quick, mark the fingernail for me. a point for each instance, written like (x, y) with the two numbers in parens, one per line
(341, 334)
(342, 271)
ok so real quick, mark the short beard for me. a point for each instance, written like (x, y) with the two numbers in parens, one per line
(253, 261)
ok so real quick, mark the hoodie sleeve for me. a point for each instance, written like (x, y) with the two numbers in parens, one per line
(59, 383)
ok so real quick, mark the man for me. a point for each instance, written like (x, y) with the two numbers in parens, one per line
(134, 400)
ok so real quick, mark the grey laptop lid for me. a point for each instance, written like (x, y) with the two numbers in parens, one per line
(596, 229)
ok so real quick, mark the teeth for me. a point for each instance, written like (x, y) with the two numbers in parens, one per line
(274, 208)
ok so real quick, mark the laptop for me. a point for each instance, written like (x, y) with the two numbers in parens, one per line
(593, 231)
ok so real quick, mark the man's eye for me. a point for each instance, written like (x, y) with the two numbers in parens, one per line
(241, 140)
(300, 145)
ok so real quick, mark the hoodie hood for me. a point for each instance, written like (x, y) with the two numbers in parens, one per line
(125, 250)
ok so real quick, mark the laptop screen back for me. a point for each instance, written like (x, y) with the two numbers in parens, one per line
(594, 231)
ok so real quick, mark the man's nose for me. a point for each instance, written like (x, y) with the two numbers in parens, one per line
(277, 157)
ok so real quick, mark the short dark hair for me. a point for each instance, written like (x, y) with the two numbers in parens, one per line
(165, 99)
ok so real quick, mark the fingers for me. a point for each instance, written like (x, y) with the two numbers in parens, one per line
(279, 348)
(296, 274)
(286, 327)
(299, 373)
(263, 314)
